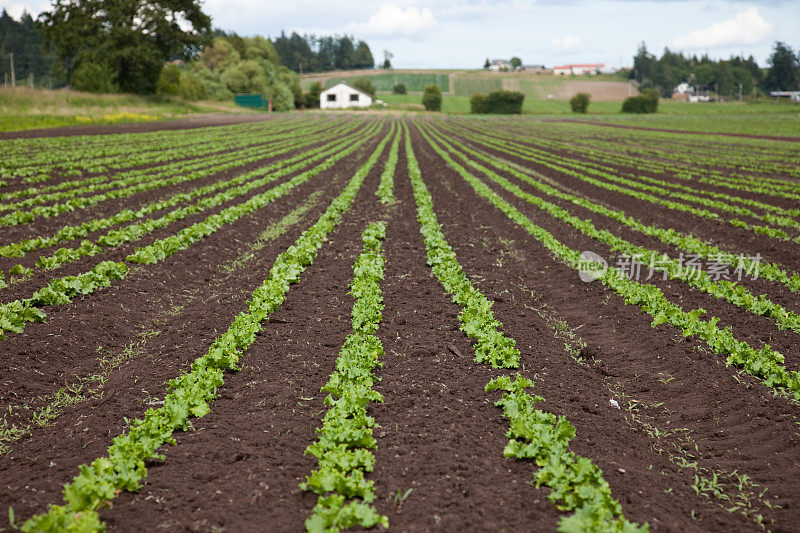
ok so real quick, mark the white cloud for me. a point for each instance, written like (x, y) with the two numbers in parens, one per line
(746, 27)
(566, 45)
(393, 21)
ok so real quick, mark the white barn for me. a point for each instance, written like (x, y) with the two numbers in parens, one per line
(341, 96)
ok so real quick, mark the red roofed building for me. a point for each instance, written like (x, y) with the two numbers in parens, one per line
(578, 70)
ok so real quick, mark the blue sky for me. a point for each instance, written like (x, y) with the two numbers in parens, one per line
(462, 33)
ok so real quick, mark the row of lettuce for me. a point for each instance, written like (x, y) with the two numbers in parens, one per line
(14, 315)
(45, 158)
(764, 363)
(124, 467)
(344, 443)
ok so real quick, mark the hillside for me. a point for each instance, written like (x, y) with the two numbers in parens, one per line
(468, 82)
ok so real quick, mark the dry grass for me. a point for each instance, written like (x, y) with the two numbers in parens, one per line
(22, 108)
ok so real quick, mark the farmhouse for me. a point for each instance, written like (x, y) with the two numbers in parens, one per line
(342, 95)
(500, 64)
(579, 70)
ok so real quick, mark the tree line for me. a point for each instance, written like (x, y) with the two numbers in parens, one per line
(124, 46)
(23, 40)
(311, 53)
(724, 76)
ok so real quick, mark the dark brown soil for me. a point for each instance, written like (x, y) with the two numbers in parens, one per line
(195, 121)
(440, 438)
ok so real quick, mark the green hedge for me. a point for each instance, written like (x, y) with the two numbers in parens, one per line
(498, 102)
(646, 102)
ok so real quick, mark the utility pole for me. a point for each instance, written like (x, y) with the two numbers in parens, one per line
(629, 88)
(30, 79)
(13, 76)
(300, 67)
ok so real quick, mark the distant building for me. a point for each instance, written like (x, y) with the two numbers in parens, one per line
(499, 64)
(341, 96)
(794, 96)
(685, 92)
(579, 70)
(534, 68)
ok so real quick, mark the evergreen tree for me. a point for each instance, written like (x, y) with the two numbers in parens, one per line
(784, 72)
(310, 53)
(24, 39)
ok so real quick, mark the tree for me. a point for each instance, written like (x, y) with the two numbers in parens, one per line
(432, 98)
(132, 37)
(312, 97)
(704, 75)
(724, 79)
(387, 59)
(242, 65)
(516, 63)
(219, 56)
(643, 63)
(486, 65)
(580, 103)
(246, 77)
(365, 86)
(23, 39)
(362, 56)
(784, 73)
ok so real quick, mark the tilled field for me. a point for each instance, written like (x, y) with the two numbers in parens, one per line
(331, 321)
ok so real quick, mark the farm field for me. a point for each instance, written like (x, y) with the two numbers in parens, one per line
(327, 321)
(461, 84)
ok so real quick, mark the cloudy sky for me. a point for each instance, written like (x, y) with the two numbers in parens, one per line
(462, 33)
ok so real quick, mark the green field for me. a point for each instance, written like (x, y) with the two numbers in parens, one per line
(460, 105)
(387, 80)
(730, 117)
(769, 119)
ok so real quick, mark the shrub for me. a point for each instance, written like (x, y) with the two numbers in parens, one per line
(580, 103)
(365, 86)
(499, 102)
(432, 98)
(93, 77)
(169, 81)
(191, 88)
(634, 104)
(647, 102)
(312, 96)
(652, 96)
(478, 103)
(400, 88)
(505, 102)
